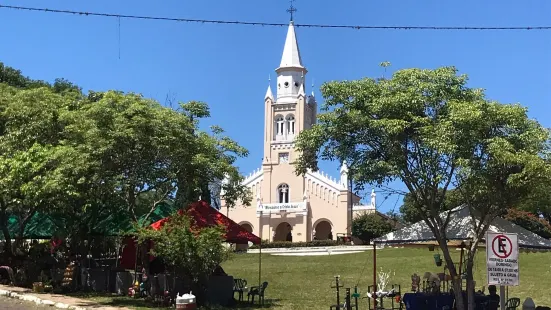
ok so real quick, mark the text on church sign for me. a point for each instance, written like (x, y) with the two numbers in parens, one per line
(278, 207)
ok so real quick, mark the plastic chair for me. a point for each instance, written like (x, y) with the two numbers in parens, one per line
(240, 285)
(257, 291)
(512, 303)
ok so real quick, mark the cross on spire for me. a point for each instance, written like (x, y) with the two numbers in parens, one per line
(292, 9)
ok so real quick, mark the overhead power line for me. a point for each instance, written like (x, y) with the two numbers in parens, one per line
(237, 22)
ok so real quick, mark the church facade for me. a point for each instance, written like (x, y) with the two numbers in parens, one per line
(287, 207)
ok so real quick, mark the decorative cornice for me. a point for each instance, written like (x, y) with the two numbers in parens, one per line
(322, 178)
(252, 177)
(284, 106)
(277, 145)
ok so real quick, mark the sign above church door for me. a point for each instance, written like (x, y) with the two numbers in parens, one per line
(272, 208)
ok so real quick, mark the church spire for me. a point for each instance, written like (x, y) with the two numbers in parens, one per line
(269, 94)
(291, 53)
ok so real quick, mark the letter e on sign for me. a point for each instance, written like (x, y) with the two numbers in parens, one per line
(502, 246)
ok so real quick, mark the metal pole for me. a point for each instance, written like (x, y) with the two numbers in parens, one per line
(338, 294)
(459, 272)
(356, 297)
(351, 202)
(502, 300)
(347, 299)
(260, 264)
(374, 275)
(337, 286)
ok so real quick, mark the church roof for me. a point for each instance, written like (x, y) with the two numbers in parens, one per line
(291, 53)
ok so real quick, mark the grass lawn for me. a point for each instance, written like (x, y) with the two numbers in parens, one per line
(304, 282)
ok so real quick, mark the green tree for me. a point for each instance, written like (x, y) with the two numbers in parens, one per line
(209, 159)
(30, 154)
(129, 137)
(96, 160)
(15, 78)
(429, 130)
(410, 213)
(134, 154)
(367, 227)
(191, 251)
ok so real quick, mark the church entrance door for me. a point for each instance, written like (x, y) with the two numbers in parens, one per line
(323, 231)
(283, 232)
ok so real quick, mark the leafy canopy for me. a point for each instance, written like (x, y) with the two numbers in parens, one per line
(94, 161)
(429, 130)
(370, 226)
(194, 251)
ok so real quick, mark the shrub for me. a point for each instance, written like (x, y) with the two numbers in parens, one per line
(530, 222)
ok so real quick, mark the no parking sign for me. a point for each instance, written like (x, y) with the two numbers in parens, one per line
(502, 259)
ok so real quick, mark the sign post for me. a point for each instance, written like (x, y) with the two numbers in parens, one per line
(502, 261)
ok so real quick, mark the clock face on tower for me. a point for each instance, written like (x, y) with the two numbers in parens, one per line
(283, 158)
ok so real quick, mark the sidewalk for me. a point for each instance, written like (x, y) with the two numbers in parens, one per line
(56, 300)
(339, 248)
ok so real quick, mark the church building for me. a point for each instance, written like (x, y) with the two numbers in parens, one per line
(287, 207)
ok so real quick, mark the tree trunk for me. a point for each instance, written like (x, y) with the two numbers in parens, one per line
(469, 275)
(6, 232)
(470, 287)
(456, 279)
(199, 289)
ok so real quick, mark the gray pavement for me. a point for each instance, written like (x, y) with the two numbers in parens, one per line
(16, 304)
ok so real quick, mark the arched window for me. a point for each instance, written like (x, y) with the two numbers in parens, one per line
(290, 124)
(279, 126)
(283, 193)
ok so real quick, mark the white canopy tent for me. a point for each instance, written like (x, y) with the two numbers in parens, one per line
(460, 227)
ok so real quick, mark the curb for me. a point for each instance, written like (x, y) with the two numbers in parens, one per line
(38, 301)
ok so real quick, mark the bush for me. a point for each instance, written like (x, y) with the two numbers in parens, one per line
(369, 226)
(286, 244)
(530, 222)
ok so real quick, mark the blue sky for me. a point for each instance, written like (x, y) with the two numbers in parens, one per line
(227, 66)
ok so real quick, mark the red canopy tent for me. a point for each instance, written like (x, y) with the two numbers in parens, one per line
(202, 215)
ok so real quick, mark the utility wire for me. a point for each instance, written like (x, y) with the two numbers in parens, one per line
(237, 22)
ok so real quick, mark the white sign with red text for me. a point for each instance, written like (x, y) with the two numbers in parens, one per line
(502, 259)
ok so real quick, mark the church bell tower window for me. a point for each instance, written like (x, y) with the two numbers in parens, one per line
(290, 126)
(279, 128)
(283, 193)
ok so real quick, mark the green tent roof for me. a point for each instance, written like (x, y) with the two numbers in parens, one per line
(44, 226)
